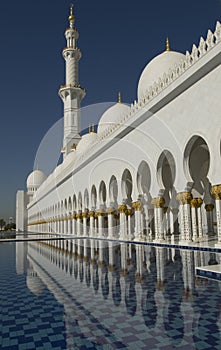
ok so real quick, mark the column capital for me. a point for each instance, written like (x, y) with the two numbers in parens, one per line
(110, 211)
(85, 214)
(184, 197)
(158, 202)
(122, 208)
(137, 205)
(79, 216)
(129, 212)
(100, 212)
(216, 192)
(196, 202)
(91, 213)
(209, 207)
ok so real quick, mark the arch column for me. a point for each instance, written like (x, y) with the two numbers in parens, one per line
(92, 223)
(79, 223)
(209, 217)
(216, 192)
(197, 227)
(129, 214)
(100, 217)
(74, 217)
(123, 221)
(110, 216)
(158, 204)
(184, 198)
(85, 216)
(138, 232)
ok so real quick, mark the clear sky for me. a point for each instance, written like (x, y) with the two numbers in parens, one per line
(117, 39)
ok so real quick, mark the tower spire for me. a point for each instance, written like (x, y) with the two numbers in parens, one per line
(71, 16)
(167, 45)
(71, 93)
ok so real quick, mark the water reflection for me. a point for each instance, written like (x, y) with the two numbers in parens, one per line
(104, 285)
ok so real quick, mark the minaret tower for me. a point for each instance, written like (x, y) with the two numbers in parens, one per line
(71, 93)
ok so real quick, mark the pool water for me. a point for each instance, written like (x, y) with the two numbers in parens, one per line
(95, 294)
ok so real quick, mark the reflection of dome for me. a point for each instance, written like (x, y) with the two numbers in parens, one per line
(112, 116)
(35, 179)
(156, 68)
(86, 141)
(34, 283)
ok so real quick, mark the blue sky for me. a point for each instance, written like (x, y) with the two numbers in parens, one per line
(117, 39)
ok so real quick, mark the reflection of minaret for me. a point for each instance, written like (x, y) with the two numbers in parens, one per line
(71, 93)
(21, 257)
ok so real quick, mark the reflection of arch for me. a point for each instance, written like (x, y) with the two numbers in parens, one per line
(197, 162)
(86, 199)
(93, 197)
(143, 178)
(166, 170)
(102, 192)
(127, 185)
(113, 189)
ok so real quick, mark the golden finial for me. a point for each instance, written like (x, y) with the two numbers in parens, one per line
(167, 44)
(92, 128)
(71, 16)
(89, 129)
(119, 97)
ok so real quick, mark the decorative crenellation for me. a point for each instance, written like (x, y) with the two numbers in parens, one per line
(216, 192)
(158, 202)
(184, 198)
(196, 202)
(204, 46)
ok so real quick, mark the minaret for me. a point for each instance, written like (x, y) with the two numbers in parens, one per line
(71, 93)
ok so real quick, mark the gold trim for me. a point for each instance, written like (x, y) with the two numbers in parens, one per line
(100, 212)
(122, 208)
(85, 214)
(158, 202)
(216, 192)
(129, 212)
(91, 213)
(184, 197)
(137, 205)
(167, 45)
(110, 211)
(209, 207)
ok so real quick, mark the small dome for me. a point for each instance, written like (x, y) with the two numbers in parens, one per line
(86, 141)
(112, 116)
(156, 68)
(35, 179)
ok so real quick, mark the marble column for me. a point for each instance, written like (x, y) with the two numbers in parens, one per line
(209, 217)
(85, 216)
(74, 224)
(100, 216)
(199, 218)
(158, 204)
(194, 206)
(216, 192)
(129, 214)
(184, 198)
(92, 223)
(110, 216)
(138, 233)
(123, 221)
(79, 223)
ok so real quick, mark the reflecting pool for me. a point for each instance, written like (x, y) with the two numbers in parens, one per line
(96, 294)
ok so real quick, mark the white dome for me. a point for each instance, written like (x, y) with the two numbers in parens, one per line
(156, 68)
(112, 116)
(35, 179)
(86, 141)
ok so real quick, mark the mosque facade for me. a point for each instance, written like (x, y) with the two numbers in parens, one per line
(152, 170)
